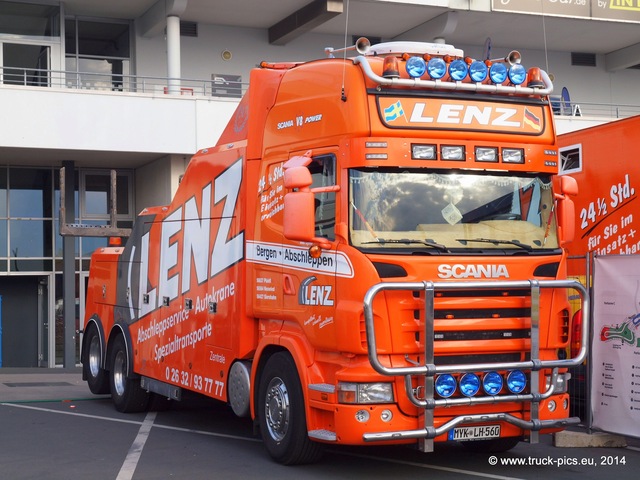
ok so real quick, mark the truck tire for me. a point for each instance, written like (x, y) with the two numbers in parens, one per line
(281, 413)
(127, 394)
(97, 377)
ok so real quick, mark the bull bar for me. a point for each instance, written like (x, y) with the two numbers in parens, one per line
(429, 369)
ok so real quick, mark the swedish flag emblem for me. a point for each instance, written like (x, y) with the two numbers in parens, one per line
(393, 111)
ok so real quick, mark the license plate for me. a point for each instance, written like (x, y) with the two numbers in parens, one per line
(479, 432)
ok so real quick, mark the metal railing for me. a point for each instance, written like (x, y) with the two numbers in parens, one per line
(33, 77)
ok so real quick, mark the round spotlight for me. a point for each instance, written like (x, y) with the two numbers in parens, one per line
(469, 384)
(386, 415)
(478, 71)
(416, 66)
(436, 68)
(492, 383)
(517, 74)
(458, 70)
(362, 416)
(516, 381)
(498, 73)
(552, 405)
(445, 385)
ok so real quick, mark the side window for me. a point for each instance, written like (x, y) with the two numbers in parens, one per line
(570, 159)
(323, 173)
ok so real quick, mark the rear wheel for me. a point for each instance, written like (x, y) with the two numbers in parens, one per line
(97, 377)
(282, 413)
(127, 394)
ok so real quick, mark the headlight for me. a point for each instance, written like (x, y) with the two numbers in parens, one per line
(445, 385)
(512, 155)
(516, 381)
(423, 152)
(498, 73)
(453, 152)
(517, 74)
(469, 384)
(486, 154)
(436, 68)
(358, 393)
(458, 70)
(492, 383)
(416, 66)
(478, 71)
(562, 383)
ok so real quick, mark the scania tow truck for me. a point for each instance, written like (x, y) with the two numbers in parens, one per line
(373, 253)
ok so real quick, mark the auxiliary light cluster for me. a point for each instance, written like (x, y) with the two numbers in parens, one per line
(457, 152)
(492, 383)
(436, 68)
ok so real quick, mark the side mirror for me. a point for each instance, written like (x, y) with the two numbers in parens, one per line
(297, 177)
(568, 185)
(299, 205)
(299, 223)
(566, 220)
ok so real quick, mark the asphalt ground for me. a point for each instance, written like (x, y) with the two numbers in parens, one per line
(52, 427)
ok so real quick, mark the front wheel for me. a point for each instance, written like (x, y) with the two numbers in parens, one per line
(127, 394)
(97, 377)
(281, 412)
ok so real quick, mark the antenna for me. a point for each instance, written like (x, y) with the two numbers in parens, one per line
(486, 54)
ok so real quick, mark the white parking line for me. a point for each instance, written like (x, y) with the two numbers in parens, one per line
(128, 468)
(133, 456)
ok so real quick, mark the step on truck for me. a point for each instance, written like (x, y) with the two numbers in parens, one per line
(373, 253)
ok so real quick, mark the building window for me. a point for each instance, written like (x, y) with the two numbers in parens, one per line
(29, 19)
(98, 54)
(95, 188)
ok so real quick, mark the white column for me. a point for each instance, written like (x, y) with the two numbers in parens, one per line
(173, 54)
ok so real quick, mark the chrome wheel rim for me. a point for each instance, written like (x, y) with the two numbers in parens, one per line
(277, 409)
(94, 356)
(119, 376)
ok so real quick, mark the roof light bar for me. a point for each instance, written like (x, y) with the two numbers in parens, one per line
(445, 67)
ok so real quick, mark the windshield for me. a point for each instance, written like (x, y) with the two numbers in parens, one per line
(450, 211)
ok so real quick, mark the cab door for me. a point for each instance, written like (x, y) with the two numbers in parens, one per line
(310, 283)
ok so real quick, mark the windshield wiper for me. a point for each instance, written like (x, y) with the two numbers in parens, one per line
(496, 241)
(428, 243)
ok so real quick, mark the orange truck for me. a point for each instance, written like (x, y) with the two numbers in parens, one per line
(606, 205)
(371, 254)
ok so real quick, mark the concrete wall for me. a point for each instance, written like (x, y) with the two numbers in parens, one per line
(157, 182)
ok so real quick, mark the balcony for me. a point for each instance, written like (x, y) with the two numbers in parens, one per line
(52, 115)
(133, 119)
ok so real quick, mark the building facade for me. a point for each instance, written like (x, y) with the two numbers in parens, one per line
(138, 86)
